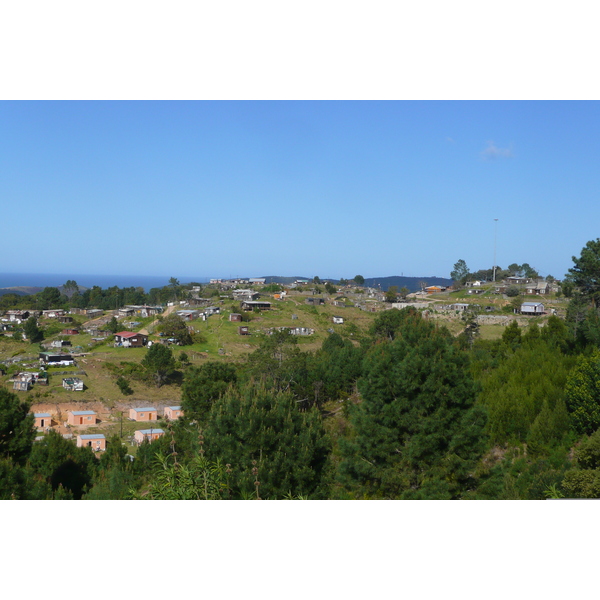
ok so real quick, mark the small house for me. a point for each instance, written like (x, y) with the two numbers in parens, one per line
(69, 332)
(314, 301)
(459, 306)
(147, 413)
(53, 359)
(22, 385)
(95, 441)
(53, 313)
(81, 417)
(173, 412)
(434, 289)
(243, 330)
(338, 320)
(531, 308)
(94, 313)
(245, 295)
(255, 305)
(60, 343)
(42, 420)
(73, 384)
(65, 319)
(537, 288)
(147, 434)
(128, 339)
(235, 317)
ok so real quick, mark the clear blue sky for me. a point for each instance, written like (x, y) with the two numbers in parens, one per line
(326, 188)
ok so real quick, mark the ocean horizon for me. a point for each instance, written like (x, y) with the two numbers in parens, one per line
(8, 280)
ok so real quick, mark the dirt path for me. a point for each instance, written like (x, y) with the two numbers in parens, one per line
(167, 312)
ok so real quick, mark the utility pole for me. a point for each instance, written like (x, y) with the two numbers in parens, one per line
(495, 236)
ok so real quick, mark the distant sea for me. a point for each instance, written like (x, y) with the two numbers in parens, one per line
(104, 281)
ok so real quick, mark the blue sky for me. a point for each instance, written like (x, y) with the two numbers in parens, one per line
(328, 188)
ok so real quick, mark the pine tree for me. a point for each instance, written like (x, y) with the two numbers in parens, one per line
(272, 448)
(417, 432)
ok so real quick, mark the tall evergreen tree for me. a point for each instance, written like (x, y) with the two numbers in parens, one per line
(417, 432)
(264, 438)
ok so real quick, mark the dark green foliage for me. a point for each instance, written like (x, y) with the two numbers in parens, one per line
(124, 386)
(159, 363)
(16, 428)
(417, 431)
(512, 291)
(330, 289)
(21, 482)
(49, 298)
(61, 463)
(460, 271)
(113, 325)
(391, 295)
(202, 386)
(585, 274)
(198, 479)
(32, 331)
(173, 326)
(289, 446)
(511, 336)
(514, 393)
(334, 369)
(359, 280)
(387, 324)
(583, 481)
(279, 363)
(583, 393)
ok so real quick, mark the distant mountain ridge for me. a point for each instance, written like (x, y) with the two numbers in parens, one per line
(384, 283)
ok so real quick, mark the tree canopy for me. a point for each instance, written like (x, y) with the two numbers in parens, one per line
(585, 274)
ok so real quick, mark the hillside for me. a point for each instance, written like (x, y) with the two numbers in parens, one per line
(412, 283)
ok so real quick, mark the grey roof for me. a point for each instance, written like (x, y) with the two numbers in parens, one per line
(149, 431)
(93, 436)
(39, 415)
(145, 409)
(83, 412)
(173, 407)
(532, 304)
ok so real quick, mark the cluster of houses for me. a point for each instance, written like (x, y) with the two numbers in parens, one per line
(97, 441)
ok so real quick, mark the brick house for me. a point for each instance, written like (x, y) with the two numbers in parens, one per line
(173, 412)
(143, 414)
(81, 417)
(42, 420)
(95, 441)
(147, 434)
(128, 339)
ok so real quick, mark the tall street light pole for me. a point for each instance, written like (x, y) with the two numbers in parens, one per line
(495, 236)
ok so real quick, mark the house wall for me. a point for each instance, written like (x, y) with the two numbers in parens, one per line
(172, 414)
(98, 444)
(41, 423)
(139, 436)
(81, 419)
(143, 416)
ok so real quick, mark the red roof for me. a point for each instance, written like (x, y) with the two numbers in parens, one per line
(127, 334)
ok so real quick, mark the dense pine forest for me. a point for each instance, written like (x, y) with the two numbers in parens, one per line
(405, 411)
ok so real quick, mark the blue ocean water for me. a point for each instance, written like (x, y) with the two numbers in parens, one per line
(104, 281)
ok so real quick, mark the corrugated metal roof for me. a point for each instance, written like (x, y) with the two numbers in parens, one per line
(93, 436)
(127, 334)
(149, 431)
(39, 415)
(146, 409)
(531, 304)
(83, 412)
(174, 407)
